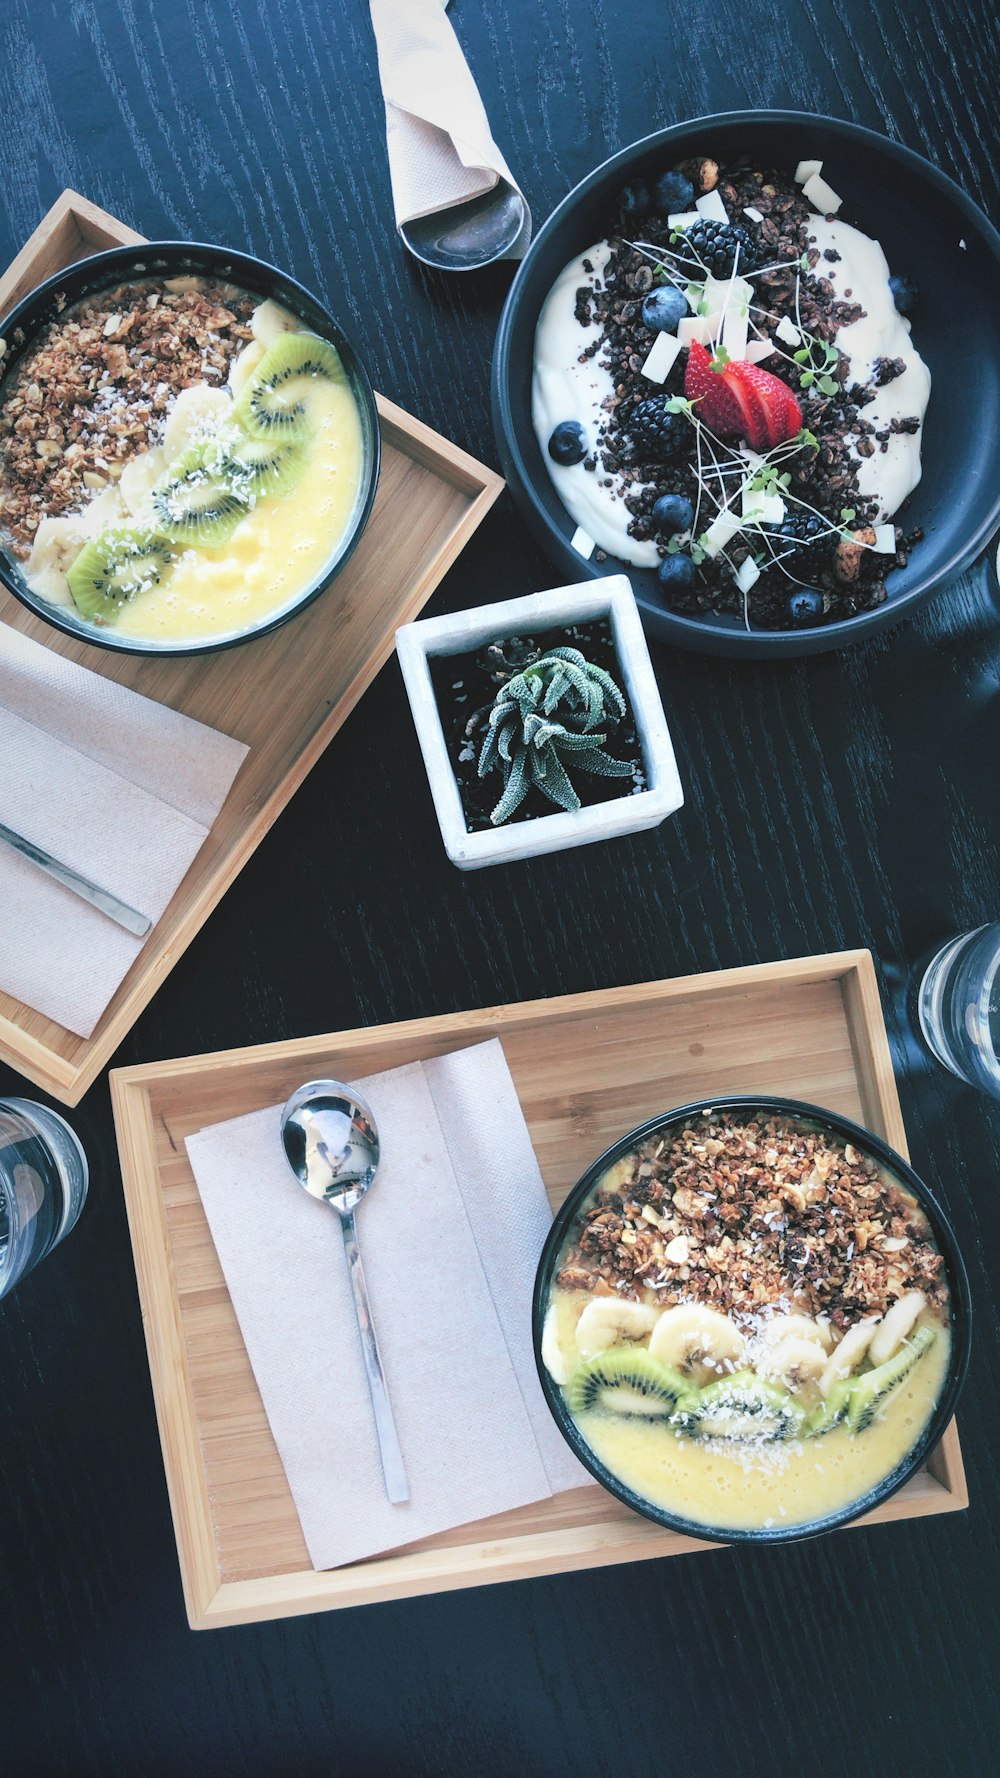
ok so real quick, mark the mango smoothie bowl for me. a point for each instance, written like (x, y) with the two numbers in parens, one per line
(751, 1320)
(189, 449)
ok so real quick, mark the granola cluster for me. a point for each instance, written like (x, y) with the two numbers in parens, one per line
(744, 1214)
(95, 389)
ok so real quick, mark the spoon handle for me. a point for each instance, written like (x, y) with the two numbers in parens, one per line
(396, 1485)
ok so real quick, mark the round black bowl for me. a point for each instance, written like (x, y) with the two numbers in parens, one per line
(960, 1316)
(930, 231)
(173, 259)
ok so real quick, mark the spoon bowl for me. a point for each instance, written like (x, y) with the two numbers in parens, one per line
(470, 235)
(331, 1143)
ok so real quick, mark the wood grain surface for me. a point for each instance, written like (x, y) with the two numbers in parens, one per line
(848, 801)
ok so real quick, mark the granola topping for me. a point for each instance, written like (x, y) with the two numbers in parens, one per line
(753, 1215)
(96, 389)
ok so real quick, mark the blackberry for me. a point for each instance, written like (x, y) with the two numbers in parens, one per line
(802, 538)
(714, 244)
(656, 433)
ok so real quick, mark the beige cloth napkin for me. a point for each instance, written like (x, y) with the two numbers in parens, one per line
(120, 788)
(450, 1237)
(441, 150)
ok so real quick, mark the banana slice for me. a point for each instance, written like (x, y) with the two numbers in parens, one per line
(793, 1360)
(898, 1323)
(608, 1320)
(270, 319)
(50, 584)
(552, 1352)
(244, 365)
(105, 509)
(57, 543)
(848, 1355)
(799, 1327)
(695, 1339)
(139, 474)
(197, 411)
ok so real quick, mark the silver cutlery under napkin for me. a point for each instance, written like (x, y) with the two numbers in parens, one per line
(109, 904)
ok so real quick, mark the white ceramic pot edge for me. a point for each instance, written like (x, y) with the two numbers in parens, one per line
(462, 631)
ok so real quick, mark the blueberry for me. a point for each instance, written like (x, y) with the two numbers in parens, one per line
(904, 294)
(634, 199)
(567, 444)
(672, 512)
(674, 193)
(663, 309)
(805, 606)
(675, 573)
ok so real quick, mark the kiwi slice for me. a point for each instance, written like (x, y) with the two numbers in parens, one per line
(625, 1380)
(195, 503)
(257, 465)
(114, 568)
(869, 1391)
(743, 1407)
(831, 1410)
(275, 400)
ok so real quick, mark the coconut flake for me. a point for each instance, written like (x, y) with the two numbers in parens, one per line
(683, 219)
(735, 329)
(807, 170)
(581, 542)
(721, 531)
(787, 331)
(748, 575)
(697, 327)
(712, 207)
(885, 540)
(758, 350)
(754, 215)
(662, 357)
(821, 196)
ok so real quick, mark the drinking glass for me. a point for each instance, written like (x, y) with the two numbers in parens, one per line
(958, 1005)
(43, 1185)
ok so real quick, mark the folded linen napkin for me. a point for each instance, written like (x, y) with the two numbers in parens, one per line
(450, 1236)
(441, 150)
(121, 789)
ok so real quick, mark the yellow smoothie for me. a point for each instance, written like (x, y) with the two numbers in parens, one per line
(282, 545)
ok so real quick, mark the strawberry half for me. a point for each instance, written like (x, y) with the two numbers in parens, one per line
(773, 412)
(742, 399)
(717, 405)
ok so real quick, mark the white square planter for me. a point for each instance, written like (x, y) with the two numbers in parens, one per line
(611, 598)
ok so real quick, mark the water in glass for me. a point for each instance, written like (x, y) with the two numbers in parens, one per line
(43, 1185)
(958, 1003)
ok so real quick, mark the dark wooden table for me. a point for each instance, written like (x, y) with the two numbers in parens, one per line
(867, 781)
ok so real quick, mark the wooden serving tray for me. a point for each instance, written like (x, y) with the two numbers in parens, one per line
(286, 695)
(587, 1068)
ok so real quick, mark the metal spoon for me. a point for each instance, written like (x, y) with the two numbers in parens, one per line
(470, 235)
(332, 1146)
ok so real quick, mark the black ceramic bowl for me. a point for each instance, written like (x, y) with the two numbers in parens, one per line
(172, 259)
(960, 1315)
(930, 231)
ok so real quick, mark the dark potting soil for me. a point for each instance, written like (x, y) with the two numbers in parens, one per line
(465, 686)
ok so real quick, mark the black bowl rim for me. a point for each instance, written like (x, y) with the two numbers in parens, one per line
(694, 632)
(960, 1316)
(256, 270)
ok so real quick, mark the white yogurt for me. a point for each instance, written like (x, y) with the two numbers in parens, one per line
(882, 332)
(564, 389)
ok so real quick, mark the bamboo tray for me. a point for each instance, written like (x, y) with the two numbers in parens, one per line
(286, 695)
(587, 1068)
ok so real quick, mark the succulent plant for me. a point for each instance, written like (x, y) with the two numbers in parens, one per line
(546, 721)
